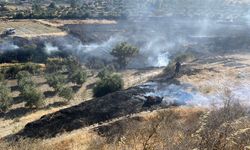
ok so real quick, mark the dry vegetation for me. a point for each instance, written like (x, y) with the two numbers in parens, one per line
(176, 128)
(30, 28)
(224, 128)
(18, 116)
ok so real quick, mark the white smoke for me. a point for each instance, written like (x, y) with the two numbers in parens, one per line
(186, 94)
(7, 45)
(49, 48)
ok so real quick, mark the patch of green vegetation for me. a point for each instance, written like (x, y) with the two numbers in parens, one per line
(28, 89)
(5, 97)
(67, 93)
(78, 77)
(56, 80)
(123, 52)
(108, 85)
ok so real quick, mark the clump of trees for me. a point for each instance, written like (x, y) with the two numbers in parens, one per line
(76, 10)
(33, 53)
(123, 53)
(12, 71)
(28, 89)
(61, 71)
(108, 84)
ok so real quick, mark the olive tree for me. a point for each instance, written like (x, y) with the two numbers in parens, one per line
(78, 77)
(108, 85)
(28, 89)
(123, 52)
(5, 97)
(56, 81)
(67, 93)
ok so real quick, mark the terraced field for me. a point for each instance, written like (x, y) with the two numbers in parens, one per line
(31, 28)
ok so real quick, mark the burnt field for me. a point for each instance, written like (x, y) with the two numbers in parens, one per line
(170, 34)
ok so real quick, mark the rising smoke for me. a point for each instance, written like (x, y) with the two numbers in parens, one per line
(162, 28)
(7, 45)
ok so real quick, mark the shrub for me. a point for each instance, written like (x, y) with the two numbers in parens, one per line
(67, 93)
(108, 85)
(33, 98)
(78, 77)
(2, 78)
(24, 81)
(104, 73)
(72, 64)
(95, 63)
(56, 80)
(124, 52)
(32, 68)
(55, 65)
(27, 87)
(5, 97)
(12, 71)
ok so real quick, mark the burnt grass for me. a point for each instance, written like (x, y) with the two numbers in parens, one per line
(98, 110)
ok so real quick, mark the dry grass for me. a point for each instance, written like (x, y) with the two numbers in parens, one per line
(30, 28)
(60, 23)
(18, 116)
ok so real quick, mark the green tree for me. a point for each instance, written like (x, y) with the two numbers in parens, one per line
(78, 77)
(108, 85)
(2, 77)
(67, 93)
(73, 3)
(25, 82)
(5, 97)
(56, 80)
(28, 89)
(123, 53)
(33, 98)
(36, 8)
(104, 73)
(52, 5)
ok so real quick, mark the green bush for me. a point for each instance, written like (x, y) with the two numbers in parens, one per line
(104, 73)
(72, 64)
(33, 98)
(78, 77)
(123, 53)
(67, 93)
(12, 71)
(56, 80)
(5, 97)
(32, 68)
(27, 87)
(108, 85)
(25, 82)
(55, 65)
(2, 78)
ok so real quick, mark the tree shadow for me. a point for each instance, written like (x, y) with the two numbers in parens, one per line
(90, 86)
(49, 94)
(14, 88)
(17, 100)
(57, 104)
(76, 88)
(16, 113)
(42, 83)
